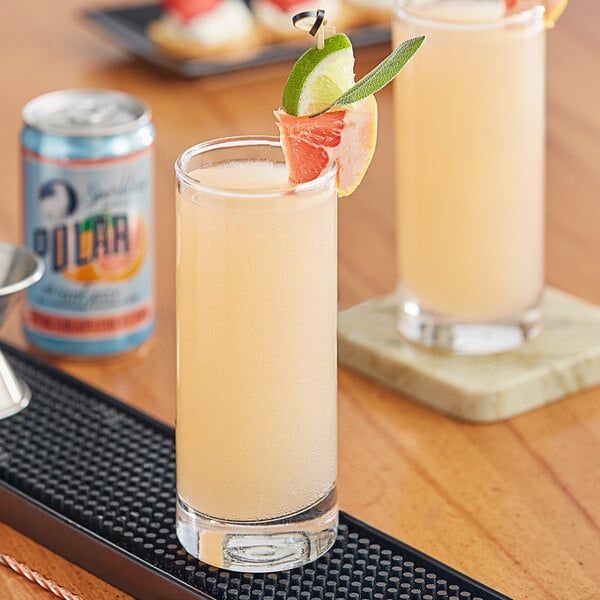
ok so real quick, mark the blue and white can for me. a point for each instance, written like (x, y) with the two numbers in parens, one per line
(88, 212)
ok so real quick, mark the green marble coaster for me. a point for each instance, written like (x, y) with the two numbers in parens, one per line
(563, 359)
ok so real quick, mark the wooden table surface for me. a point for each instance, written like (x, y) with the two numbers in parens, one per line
(516, 505)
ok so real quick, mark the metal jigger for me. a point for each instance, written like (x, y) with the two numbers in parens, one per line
(19, 268)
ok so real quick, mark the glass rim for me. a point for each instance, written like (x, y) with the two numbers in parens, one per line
(240, 142)
(519, 18)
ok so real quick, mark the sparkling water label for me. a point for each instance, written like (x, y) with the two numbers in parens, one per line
(91, 221)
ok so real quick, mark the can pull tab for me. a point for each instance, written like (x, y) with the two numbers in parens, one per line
(92, 112)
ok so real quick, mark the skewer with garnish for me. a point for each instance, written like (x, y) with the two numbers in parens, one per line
(326, 116)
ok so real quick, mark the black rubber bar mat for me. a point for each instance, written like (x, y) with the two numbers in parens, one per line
(94, 480)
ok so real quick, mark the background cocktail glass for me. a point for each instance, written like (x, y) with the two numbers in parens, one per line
(19, 269)
(470, 123)
(256, 341)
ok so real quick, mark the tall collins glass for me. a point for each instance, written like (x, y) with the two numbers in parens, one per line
(256, 435)
(470, 126)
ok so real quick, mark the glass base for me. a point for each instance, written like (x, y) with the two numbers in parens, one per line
(444, 333)
(262, 546)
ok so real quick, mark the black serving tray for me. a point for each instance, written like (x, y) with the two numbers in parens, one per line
(93, 479)
(126, 26)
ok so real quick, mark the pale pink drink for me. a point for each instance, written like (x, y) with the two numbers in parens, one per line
(256, 341)
(470, 121)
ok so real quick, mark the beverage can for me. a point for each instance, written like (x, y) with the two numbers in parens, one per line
(88, 212)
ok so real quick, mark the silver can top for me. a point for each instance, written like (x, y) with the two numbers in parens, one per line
(86, 113)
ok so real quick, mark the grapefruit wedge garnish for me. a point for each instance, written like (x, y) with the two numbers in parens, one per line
(327, 118)
(553, 9)
(346, 137)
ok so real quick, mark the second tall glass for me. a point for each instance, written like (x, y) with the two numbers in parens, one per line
(256, 341)
(470, 143)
